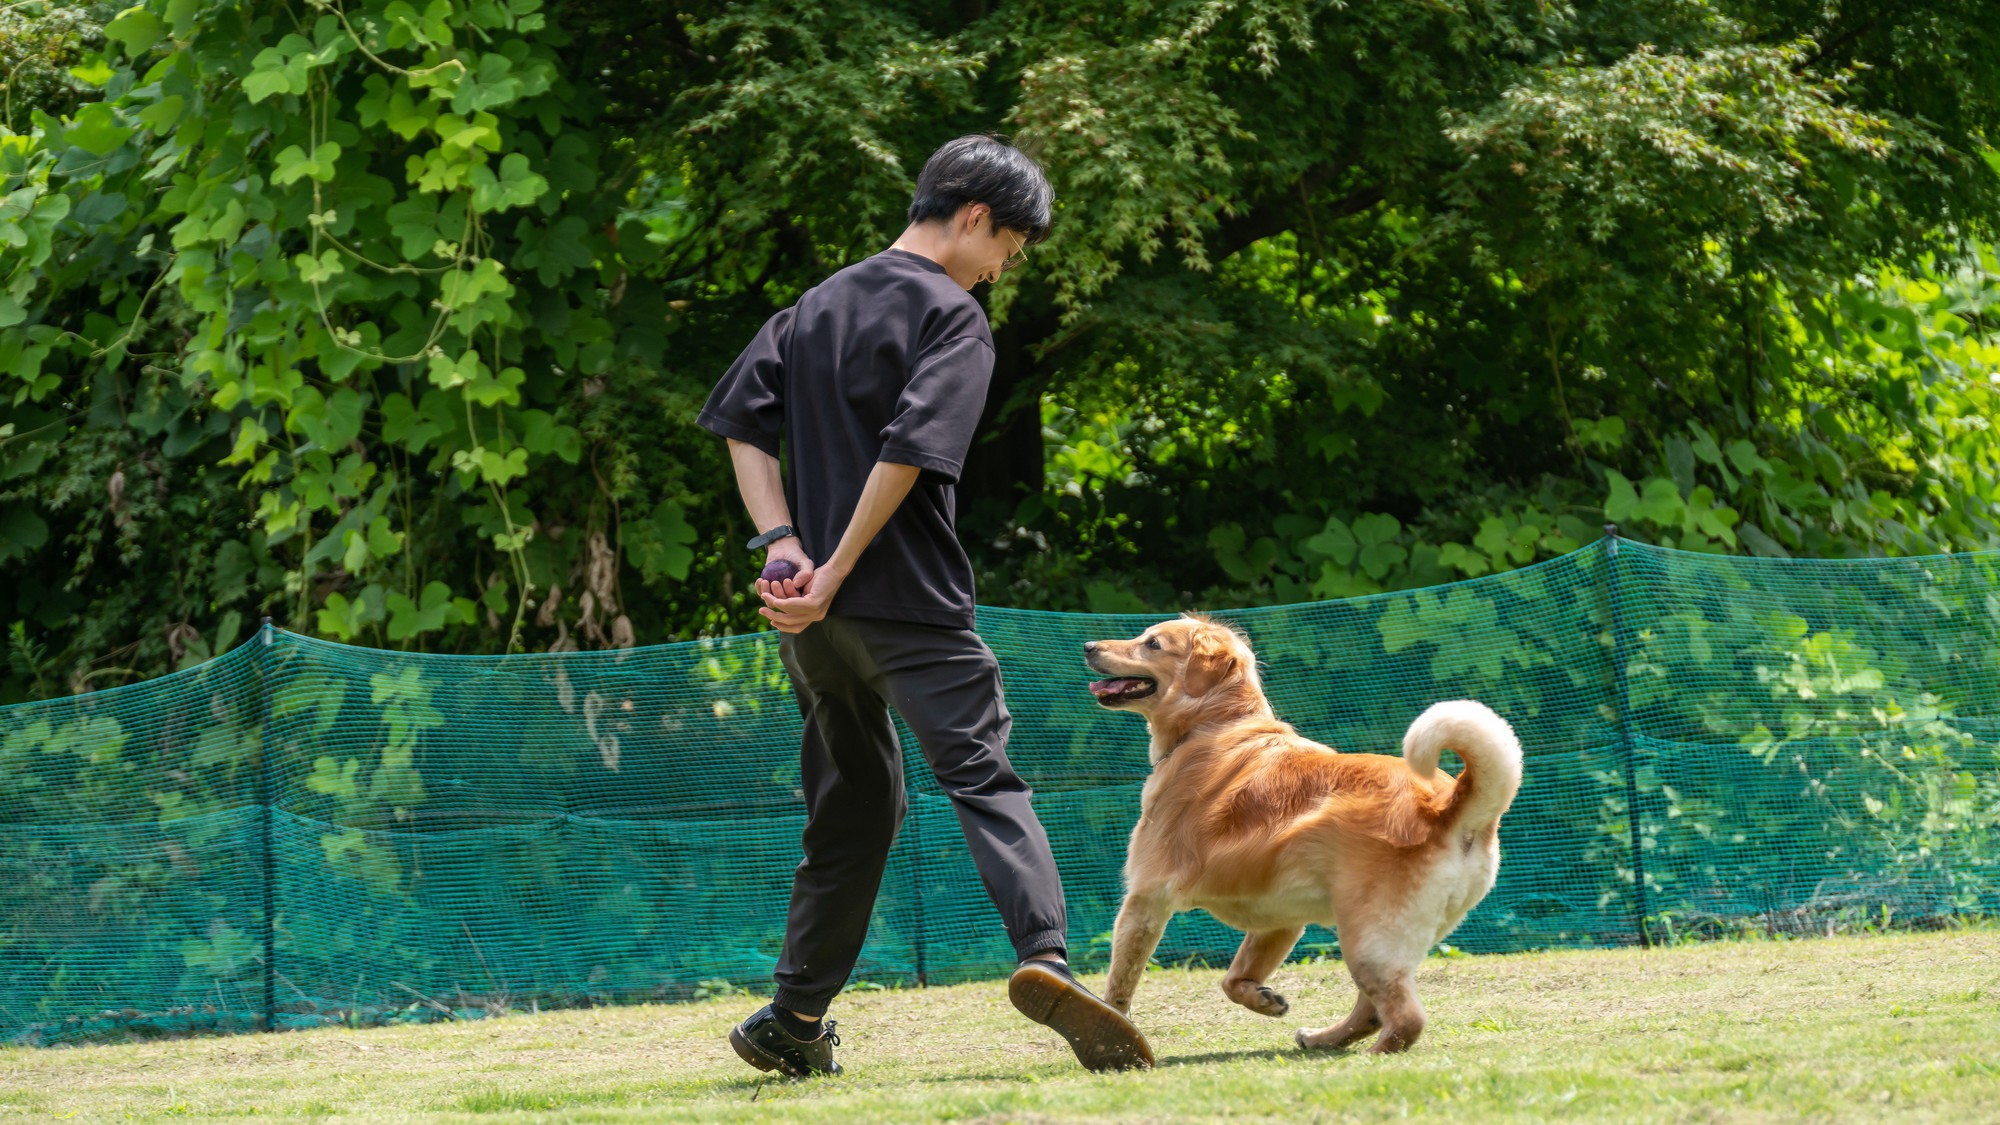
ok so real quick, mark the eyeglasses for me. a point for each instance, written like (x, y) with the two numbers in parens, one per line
(1015, 260)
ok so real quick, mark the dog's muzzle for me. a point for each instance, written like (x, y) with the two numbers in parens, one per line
(1122, 689)
(1117, 689)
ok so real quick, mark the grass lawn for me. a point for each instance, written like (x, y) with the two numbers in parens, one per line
(1854, 1028)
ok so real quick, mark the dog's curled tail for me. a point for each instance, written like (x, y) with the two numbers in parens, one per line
(1483, 739)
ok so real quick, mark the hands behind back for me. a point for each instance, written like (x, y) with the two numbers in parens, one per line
(796, 602)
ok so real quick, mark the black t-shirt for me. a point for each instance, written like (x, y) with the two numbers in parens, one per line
(887, 360)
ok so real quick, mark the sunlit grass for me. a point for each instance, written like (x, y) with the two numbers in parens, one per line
(1849, 1027)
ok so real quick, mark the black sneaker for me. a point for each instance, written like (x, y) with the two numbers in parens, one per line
(1101, 1036)
(765, 1044)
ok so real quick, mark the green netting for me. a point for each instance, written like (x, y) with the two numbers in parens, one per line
(1807, 743)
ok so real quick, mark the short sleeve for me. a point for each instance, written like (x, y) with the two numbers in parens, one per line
(940, 407)
(749, 403)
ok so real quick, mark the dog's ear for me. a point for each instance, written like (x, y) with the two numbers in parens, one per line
(1211, 662)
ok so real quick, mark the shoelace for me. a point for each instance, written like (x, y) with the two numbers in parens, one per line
(830, 1036)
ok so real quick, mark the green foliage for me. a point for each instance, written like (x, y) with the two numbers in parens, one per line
(44, 63)
(390, 319)
(348, 272)
(1864, 435)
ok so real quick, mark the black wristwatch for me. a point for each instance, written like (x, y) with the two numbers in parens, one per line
(782, 531)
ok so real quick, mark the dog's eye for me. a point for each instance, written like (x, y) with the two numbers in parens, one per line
(1153, 642)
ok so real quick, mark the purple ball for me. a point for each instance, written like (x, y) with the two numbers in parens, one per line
(778, 570)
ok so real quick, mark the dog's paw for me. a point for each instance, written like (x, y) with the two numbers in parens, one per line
(1269, 1003)
(1311, 1040)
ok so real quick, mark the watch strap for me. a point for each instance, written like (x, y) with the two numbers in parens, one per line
(783, 530)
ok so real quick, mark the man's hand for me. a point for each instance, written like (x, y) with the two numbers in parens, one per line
(799, 601)
(792, 551)
(793, 604)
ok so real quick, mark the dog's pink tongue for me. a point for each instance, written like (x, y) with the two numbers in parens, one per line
(1110, 687)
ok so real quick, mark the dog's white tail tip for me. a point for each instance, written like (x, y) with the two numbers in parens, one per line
(1482, 738)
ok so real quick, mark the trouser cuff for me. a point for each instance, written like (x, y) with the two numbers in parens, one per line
(806, 1004)
(1042, 941)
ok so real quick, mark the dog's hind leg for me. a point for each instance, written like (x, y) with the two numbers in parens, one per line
(1141, 921)
(1382, 957)
(1259, 957)
(1393, 991)
(1402, 1015)
(1359, 1024)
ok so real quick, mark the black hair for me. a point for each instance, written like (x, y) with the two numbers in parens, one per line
(984, 169)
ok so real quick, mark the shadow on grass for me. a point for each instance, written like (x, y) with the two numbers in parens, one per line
(1247, 1054)
(749, 1084)
(755, 1085)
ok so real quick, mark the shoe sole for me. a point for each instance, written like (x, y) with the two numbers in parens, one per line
(1101, 1036)
(758, 1057)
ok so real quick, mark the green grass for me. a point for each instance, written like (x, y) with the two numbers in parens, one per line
(1853, 1028)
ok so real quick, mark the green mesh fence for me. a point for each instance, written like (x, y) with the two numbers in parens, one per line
(306, 833)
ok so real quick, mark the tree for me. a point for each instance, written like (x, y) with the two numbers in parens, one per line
(1341, 297)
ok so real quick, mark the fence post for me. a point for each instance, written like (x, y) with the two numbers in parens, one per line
(917, 880)
(264, 803)
(1618, 666)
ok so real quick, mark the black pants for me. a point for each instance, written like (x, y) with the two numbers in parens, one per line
(945, 683)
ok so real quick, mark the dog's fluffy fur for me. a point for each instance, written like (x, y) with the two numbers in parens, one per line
(1269, 831)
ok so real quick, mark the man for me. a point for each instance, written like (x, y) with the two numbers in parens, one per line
(875, 381)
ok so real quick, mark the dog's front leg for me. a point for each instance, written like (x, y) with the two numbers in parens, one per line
(1141, 921)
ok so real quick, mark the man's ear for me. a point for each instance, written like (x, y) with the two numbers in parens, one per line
(1211, 662)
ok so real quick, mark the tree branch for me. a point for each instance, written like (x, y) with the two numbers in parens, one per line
(1281, 210)
(1826, 50)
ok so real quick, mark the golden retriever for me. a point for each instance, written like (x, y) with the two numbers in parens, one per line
(1269, 831)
